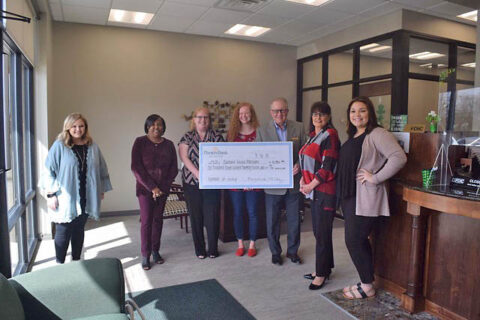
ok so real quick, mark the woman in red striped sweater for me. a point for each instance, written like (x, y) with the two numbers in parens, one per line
(318, 162)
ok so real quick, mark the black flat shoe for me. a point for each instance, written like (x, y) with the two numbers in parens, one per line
(294, 258)
(146, 263)
(317, 287)
(277, 259)
(157, 258)
(309, 276)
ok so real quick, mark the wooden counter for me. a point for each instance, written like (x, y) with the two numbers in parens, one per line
(428, 252)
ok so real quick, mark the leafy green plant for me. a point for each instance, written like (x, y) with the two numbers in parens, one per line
(432, 117)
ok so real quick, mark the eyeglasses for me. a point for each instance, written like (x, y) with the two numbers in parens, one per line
(319, 114)
(202, 117)
(282, 111)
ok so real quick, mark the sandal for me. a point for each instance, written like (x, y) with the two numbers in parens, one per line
(201, 257)
(350, 288)
(363, 295)
(146, 263)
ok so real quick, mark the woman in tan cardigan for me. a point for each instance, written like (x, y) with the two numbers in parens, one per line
(368, 159)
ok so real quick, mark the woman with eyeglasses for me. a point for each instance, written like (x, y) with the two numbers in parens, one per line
(318, 162)
(202, 204)
(154, 165)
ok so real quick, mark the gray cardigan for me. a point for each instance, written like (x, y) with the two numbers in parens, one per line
(296, 134)
(383, 156)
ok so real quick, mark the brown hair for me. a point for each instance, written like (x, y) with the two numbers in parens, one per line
(195, 112)
(322, 107)
(372, 117)
(65, 136)
(235, 123)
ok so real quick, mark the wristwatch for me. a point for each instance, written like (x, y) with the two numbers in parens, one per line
(51, 195)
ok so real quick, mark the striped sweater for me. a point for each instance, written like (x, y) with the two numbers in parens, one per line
(318, 160)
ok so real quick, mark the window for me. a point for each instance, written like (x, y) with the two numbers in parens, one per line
(340, 67)
(376, 58)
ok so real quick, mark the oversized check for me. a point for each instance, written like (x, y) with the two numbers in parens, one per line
(233, 165)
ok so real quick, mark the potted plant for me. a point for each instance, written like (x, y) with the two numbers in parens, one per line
(433, 118)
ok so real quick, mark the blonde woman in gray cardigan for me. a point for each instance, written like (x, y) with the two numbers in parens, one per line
(367, 160)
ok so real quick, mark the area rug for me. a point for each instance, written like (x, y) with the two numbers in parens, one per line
(384, 306)
(206, 299)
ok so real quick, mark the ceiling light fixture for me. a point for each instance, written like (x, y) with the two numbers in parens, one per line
(469, 65)
(246, 30)
(472, 15)
(426, 65)
(310, 2)
(368, 46)
(426, 55)
(125, 16)
(380, 48)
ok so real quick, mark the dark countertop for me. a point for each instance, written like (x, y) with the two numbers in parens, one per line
(459, 193)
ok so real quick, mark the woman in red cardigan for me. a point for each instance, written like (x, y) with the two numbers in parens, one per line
(318, 162)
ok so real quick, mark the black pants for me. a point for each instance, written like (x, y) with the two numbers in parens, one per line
(203, 209)
(357, 230)
(322, 223)
(74, 231)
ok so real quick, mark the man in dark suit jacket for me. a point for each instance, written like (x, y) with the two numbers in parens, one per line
(281, 129)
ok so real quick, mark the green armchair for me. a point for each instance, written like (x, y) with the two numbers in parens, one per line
(90, 289)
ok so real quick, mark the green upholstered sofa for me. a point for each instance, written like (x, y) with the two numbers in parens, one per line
(90, 289)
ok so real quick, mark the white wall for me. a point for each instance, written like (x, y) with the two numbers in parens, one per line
(117, 76)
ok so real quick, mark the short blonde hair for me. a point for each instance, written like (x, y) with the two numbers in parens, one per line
(197, 111)
(65, 136)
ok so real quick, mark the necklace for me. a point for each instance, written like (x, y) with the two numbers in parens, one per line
(82, 157)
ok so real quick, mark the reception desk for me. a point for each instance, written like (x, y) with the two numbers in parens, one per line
(428, 252)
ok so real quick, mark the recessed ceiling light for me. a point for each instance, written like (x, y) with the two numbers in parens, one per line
(368, 46)
(472, 15)
(246, 30)
(426, 55)
(469, 65)
(426, 65)
(311, 2)
(380, 48)
(126, 16)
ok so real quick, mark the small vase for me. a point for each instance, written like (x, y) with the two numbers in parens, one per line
(433, 127)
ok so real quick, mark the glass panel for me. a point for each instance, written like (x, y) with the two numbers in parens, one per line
(380, 92)
(423, 97)
(30, 225)
(340, 67)
(466, 64)
(26, 129)
(428, 57)
(14, 247)
(338, 99)
(309, 97)
(466, 109)
(376, 59)
(312, 73)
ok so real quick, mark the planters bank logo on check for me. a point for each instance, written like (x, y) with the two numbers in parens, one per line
(215, 152)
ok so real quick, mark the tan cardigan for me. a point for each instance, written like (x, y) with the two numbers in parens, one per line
(383, 156)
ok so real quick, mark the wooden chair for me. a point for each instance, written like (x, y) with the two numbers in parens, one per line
(176, 207)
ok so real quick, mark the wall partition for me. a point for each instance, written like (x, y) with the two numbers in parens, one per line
(405, 74)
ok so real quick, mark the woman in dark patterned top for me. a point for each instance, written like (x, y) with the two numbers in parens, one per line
(243, 128)
(154, 164)
(318, 162)
(202, 204)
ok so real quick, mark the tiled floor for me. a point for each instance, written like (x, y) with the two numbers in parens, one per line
(267, 291)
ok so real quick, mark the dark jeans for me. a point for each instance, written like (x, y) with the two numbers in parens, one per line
(322, 223)
(74, 231)
(357, 230)
(239, 200)
(273, 205)
(203, 209)
(151, 217)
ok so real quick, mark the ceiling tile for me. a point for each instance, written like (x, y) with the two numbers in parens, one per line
(85, 14)
(323, 16)
(449, 9)
(150, 6)
(264, 20)
(418, 3)
(169, 23)
(297, 27)
(56, 11)
(126, 25)
(206, 3)
(350, 6)
(224, 16)
(382, 9)
(103, 4)
(182, 10)
(209, 28)
(286, 9)
(278, 36)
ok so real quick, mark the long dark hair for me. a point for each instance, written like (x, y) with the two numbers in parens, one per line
(322, 107)
(372, 117)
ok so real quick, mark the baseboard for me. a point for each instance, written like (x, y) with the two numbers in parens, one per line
(441, 312)
(390, 286)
